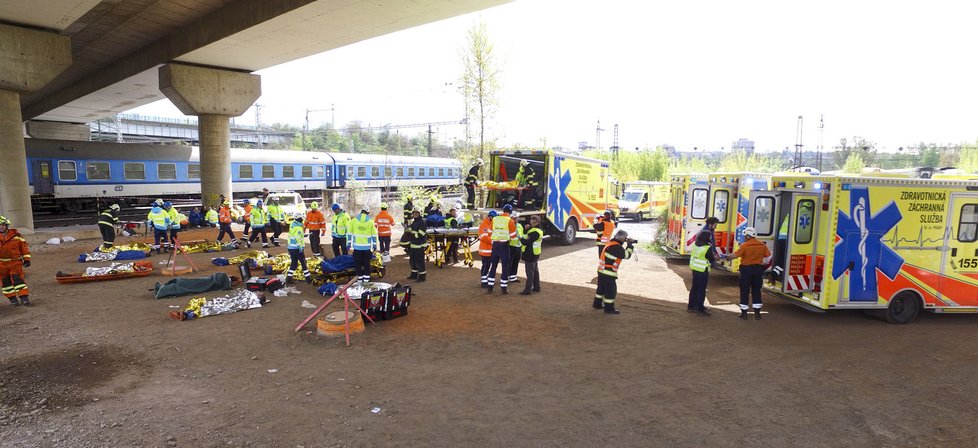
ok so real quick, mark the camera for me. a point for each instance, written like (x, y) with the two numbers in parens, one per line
(631, 241)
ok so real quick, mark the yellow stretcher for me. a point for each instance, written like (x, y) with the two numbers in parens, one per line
(440, 239)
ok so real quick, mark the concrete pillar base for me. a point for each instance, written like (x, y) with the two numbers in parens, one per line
(15, 195)
(215, 158)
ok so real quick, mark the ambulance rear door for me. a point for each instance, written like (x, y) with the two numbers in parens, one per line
(727, 224)
(698, 211)
(762, 214)
(800, 261)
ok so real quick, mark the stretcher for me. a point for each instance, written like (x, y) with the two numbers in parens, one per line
(439, 239)
(140, 269)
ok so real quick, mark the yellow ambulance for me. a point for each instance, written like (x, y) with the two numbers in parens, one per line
(729, 202)
(896, 245)
(641, 199)
(689, 200)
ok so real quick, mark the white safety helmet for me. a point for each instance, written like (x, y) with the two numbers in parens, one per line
(480, 161)
(114, 207)
(514, 215)
(297, 216)
(750, 232)
(523, 162)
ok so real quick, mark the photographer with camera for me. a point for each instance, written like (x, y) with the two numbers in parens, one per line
(618, 248)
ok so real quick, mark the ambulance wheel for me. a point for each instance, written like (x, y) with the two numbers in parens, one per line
(569, 234)
(903, 308)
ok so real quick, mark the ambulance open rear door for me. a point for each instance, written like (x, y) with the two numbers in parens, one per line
(799, 269)
(763, 214)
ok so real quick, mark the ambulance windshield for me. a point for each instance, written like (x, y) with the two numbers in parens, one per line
(632, 196)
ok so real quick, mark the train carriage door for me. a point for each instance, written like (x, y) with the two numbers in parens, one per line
(42, 177)
(799, 267)
(763, 214)
(959, 269)
(720, 209)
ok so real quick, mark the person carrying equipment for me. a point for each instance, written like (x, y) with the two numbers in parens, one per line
(14, 257)
(701, 257)
(419, 241)
(160, 220)
(296, 246)
(471, 181)
(246, 204)
(224, 222)
(259, 221)
(384, 222)
(515, 249)
(611, 256)
(451, 222)
(276, 218)
(485, 245)
(315, 225)
(106, 225)
(362, 240)
(604, 227)
(754, 253)
(503, 230)
(408, 210)
(340, 221)
(532, 246)
(526, 177)
(211, 217)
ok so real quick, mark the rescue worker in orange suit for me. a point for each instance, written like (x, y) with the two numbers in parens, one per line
(754, 253)
(315, 225)
(385, 224)
(246, 204)
(14, 257)
(604, 227)
(471, 181)
(485, 245)
(618, 248)
(503, 230)
(224, 222)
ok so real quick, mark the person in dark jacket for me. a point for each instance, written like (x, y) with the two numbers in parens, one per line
(419, 241)
(106, 225)
(701, 257)
(618, 248)
(471, 181)
(532, 239)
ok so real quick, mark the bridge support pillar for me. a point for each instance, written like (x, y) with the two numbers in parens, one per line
(214, 96)
(31, 59)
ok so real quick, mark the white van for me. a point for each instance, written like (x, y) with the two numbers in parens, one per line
(290, 202)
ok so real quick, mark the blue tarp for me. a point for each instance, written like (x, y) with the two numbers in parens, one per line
(338, 264)
(328, 289)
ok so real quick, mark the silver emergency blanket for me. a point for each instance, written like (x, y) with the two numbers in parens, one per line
(114, 268)
(100, 256)
(239, 300)
(468, 231)
(357, 289)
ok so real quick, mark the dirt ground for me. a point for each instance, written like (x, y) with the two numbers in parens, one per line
(102, 365)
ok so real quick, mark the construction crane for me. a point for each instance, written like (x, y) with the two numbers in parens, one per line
(798, 143)
(597, 132)
(614, 145)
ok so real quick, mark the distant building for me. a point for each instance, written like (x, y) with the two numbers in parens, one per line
(744, 144)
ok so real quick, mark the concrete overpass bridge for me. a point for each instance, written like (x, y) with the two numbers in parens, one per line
(65, 63)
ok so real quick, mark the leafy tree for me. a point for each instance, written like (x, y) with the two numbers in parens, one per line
(968, 161)
(854, 164)
(480, 80)
(740, 160)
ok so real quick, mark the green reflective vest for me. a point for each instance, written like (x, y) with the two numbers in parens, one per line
(538, 244)
(515, 242)
(362, 234)
(500, 228)
(259, 217)
(697, 258)
(211, 216)
(296, 235)
(341, 221)
(275, 212)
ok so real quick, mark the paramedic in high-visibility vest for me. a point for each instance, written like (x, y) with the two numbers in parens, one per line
(701, 257)
(14, 257)
(515, 249)
(210, 218)
(752, 253)
(531, 247)
(174, 215)
(296, 247)
(503, 230)
(276, 219)
(361, 238)
(340, 222)
(315, 224)
(160, 220)
(618, 248)
(385, 225)
(106, 226)
(259, 221)
(604, 227)
(485, 245)
(451, 222)
(419, 241)
(471, 181)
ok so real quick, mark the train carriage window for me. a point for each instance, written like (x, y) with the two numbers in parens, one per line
(968, 224)
(375, 172)
(268, 171)
(763, 209)
(66, 170)
(698, 210)
(288, 171)
(441, 172)
(720, 204)
(410, 172)
(361, 172)
(400, 171)
(97, 170)
(193, 171)
(306, 171)
(245, 171)
(805, 221)
(349, 172)
(388, 171)
(320, 172)
(431, 172)
(166, 171)
(134, 170)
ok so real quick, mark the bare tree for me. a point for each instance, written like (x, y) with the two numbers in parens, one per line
(479, 83)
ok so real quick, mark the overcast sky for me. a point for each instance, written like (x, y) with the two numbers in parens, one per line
(690, 74)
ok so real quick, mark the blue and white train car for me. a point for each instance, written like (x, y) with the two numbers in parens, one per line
(383, 171)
